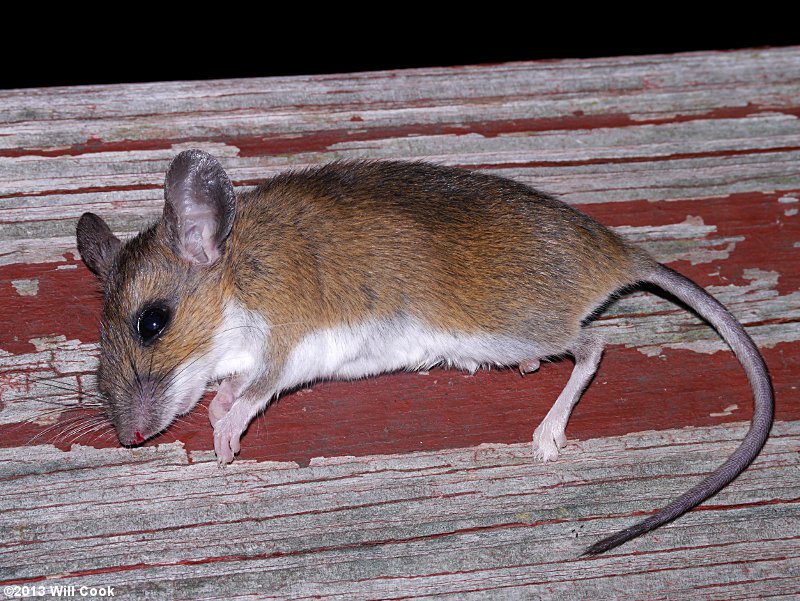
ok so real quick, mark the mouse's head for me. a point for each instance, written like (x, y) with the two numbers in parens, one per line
(162, 298)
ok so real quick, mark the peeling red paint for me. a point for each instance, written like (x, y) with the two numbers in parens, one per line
(68, 303)
(318, 141)
(324, 140)
(759, 218)
(635, 159)
(86, 190)
(406, 412)
(91, 146)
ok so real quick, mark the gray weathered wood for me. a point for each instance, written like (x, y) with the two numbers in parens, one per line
(477, 523)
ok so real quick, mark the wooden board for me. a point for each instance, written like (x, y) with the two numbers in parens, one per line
(485, 522)
(695, 157)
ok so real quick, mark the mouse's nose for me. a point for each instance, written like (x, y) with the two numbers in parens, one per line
(135, 416)
(132, 439)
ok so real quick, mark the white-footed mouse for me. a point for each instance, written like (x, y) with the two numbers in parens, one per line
(357, 268)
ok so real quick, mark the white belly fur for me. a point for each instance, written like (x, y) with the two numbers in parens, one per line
(347, 352)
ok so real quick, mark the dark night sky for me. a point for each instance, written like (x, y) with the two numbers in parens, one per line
(80, 57)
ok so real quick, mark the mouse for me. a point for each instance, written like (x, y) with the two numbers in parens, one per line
(360, 267)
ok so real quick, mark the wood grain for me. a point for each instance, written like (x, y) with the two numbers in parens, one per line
(475, 523)
(695, 157)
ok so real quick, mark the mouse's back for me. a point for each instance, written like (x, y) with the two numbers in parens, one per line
(462, 250)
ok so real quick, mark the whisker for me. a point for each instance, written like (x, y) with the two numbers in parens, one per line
(109, 434)
(74, 427)
(47, 414)
(62, 386)
(150, 368)
(64, 427)
(83, 429)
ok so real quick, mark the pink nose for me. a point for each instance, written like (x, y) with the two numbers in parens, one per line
(137, 437)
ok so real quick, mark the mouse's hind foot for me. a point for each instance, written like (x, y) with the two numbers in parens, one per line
(549, 437)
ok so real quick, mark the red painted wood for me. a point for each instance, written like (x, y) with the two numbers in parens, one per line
(447, 409)
(401, 412)
(759, 218)
(362, 131)
(450, 409)
(68, 303)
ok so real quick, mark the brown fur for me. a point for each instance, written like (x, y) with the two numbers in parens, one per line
(463, 251)
(351, 242)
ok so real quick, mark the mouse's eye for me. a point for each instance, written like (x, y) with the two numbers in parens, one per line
(152, 322)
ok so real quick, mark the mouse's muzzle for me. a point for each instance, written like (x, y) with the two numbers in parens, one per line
(136, 411)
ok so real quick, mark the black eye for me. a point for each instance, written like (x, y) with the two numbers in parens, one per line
(152, 322)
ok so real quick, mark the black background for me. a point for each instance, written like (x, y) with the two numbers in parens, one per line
(155, 51)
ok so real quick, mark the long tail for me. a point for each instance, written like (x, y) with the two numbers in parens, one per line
(733, 333)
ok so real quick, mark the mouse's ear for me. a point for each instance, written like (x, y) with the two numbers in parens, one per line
(200, 206)
(97, 244)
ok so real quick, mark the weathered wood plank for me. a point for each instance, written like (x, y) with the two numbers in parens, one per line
(483, 522)
(641, 88)
(692, 156)
(670, 160)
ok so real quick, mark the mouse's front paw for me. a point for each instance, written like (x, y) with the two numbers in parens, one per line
(222, 402)
(226, 443)
(227, 432)
(547, 440)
